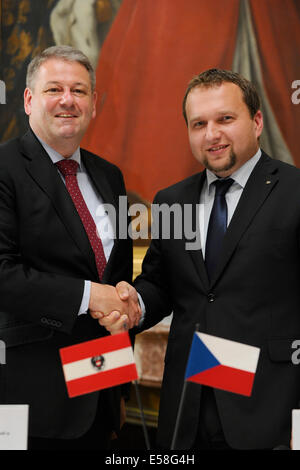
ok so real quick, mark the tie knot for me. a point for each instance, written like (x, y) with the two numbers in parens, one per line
(222, 186)
(67, 167)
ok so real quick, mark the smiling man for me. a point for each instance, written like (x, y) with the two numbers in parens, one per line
(60, 101)
(242, 285)
(55, 268)
(222, 132)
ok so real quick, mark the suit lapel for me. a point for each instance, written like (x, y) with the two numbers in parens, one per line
(99, 178)
(191, 197)
(44, 173)
(259, 185)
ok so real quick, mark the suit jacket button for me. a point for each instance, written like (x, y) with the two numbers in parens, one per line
(211, 297)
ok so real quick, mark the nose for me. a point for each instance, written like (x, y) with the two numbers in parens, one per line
(67, 98)
(213, 132)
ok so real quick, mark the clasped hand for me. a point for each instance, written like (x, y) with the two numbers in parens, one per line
(115, 308)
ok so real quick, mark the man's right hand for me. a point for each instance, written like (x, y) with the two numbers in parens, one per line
(127, 293)
(104, 299)
(115, 308)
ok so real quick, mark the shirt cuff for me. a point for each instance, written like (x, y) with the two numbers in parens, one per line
(85, 298)
(143, 308)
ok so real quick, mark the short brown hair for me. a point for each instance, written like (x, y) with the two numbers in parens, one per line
(67, 53)
(215, 77)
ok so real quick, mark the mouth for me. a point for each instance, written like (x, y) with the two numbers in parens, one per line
(66, 116)
(217, 149)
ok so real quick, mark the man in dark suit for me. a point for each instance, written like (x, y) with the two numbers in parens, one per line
(241, 283)
(54, 267)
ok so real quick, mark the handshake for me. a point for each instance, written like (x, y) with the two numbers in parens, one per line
(115, 308)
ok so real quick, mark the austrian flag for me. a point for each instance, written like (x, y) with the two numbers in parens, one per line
(221, 363)
(97, 364)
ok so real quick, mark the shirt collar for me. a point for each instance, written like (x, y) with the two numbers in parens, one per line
(56, 157)
(241, 175)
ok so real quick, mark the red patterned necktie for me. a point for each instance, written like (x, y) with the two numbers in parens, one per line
(68, 169)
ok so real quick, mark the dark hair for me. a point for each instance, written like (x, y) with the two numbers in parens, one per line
(67, 53)
(216, 77)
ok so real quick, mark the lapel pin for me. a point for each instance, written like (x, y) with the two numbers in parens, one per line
(268, 182)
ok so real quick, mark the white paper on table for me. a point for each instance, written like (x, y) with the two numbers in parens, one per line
(296, 429)
(13, 427)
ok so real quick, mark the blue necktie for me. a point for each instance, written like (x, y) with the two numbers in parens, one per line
(217, 226)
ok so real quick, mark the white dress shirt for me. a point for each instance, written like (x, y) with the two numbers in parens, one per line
(232, 196)
(93, 201)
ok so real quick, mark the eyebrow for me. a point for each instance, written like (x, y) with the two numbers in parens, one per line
(54, 82)
(219, 113)
(225, 112)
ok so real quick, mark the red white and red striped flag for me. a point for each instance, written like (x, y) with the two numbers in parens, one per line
(97, 364)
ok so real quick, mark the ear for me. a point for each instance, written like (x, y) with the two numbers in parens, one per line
(94, 104)
(258, 123)
(27, 101)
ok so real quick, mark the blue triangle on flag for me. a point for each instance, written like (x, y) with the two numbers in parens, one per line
(200, 358)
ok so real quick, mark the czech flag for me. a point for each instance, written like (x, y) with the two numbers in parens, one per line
(97, 364)
(222, 364)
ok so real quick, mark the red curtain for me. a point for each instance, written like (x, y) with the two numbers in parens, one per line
(153, 49)
(277, 28)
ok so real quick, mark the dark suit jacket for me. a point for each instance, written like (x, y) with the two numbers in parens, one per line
(45, 256)
(254, 298)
